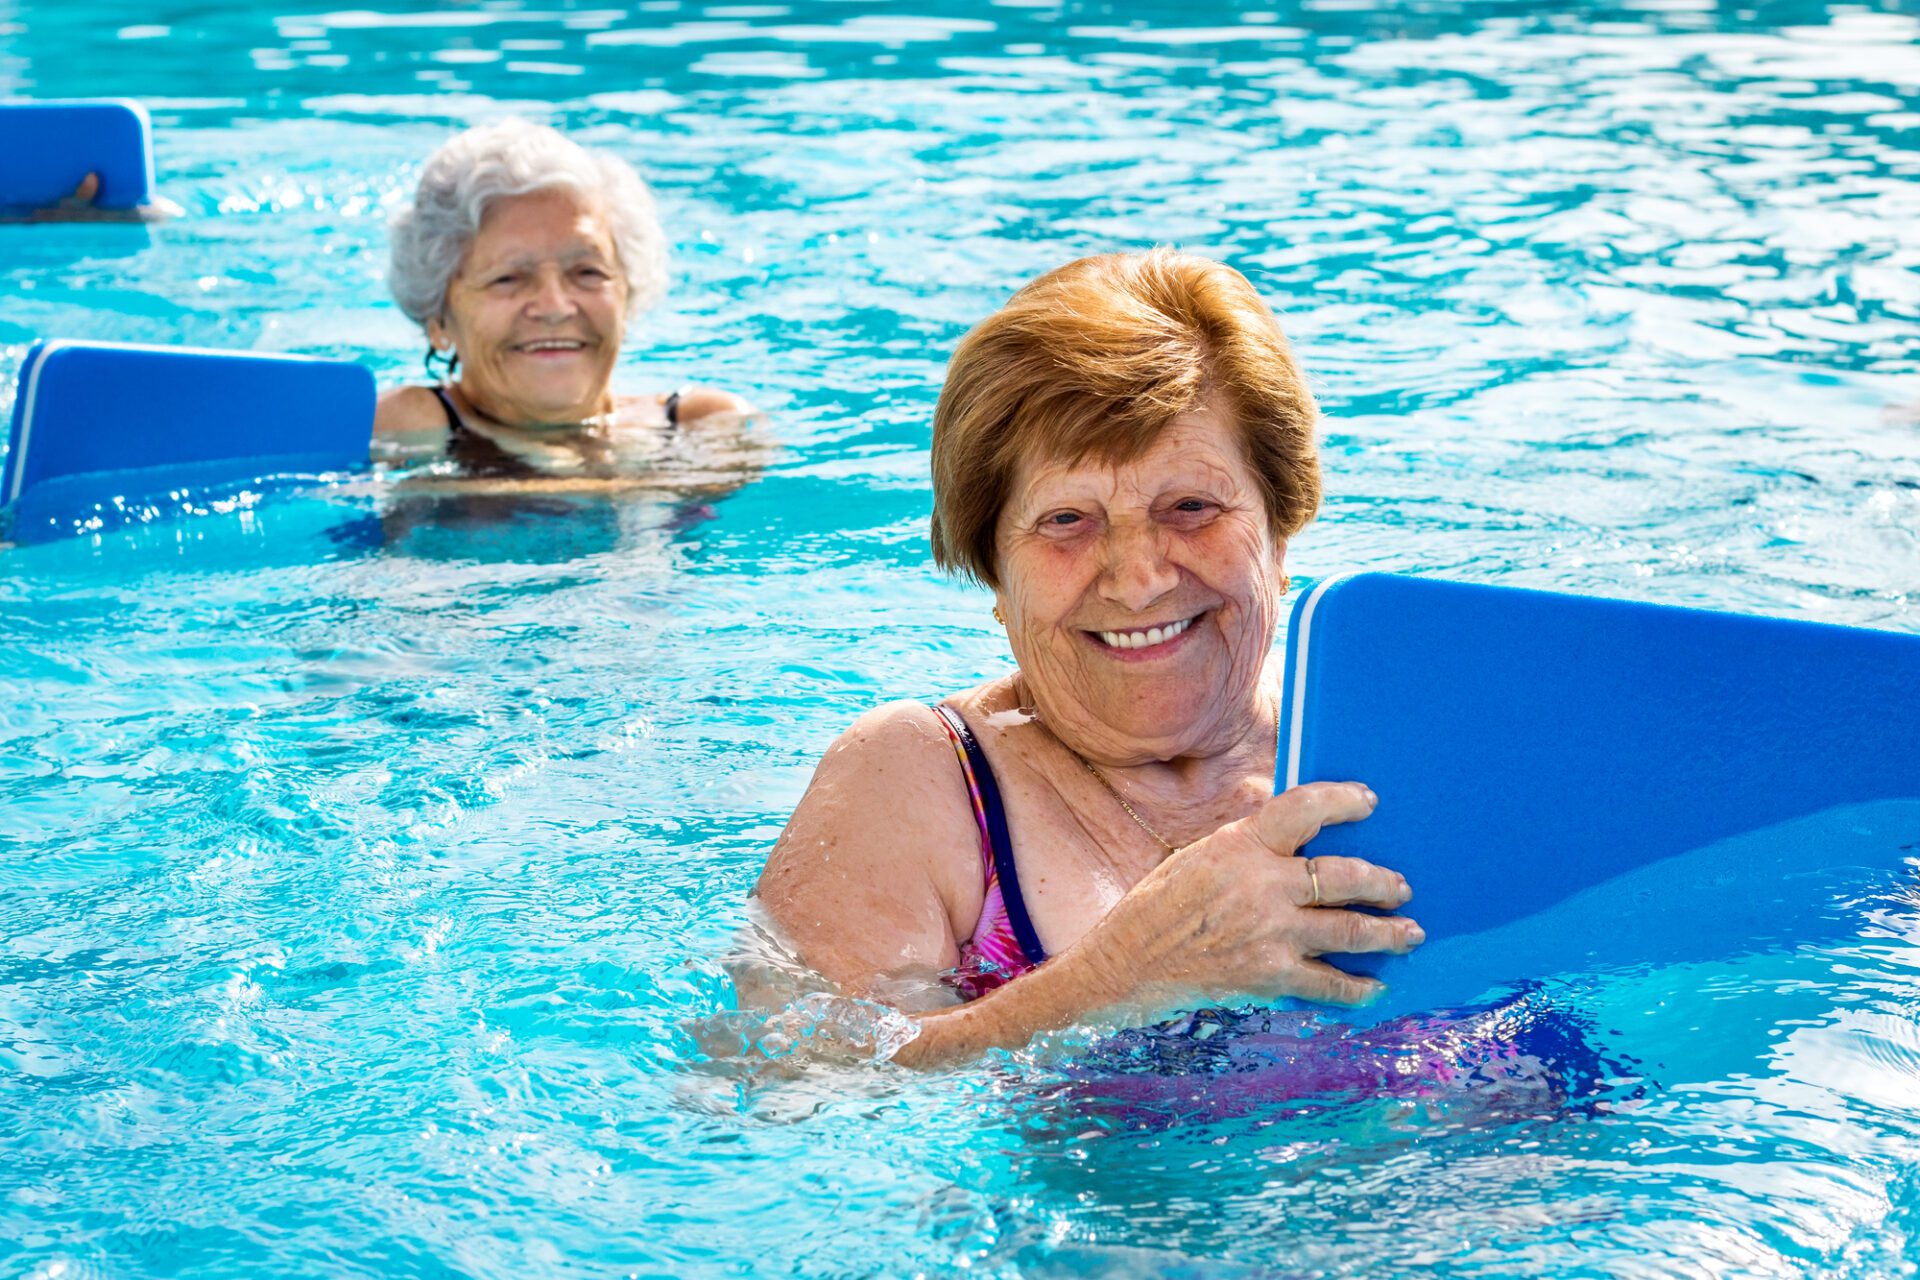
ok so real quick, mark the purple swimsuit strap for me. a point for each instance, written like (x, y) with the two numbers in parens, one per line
(1004, 944)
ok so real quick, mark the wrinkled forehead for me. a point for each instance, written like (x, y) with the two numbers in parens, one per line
(1204, 444)
(542, 223)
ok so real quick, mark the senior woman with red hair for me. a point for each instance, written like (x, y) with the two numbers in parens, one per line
(1120, 454)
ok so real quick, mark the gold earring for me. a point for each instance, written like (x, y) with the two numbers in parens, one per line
(1286, 583)
(998, 616)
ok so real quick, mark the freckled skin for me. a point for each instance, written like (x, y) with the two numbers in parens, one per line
(1179, 532)
(1184, 729)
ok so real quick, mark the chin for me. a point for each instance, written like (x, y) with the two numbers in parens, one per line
(1156, 723)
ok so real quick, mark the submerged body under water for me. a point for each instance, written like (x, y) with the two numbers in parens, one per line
(1518, 1057)
(370, 857)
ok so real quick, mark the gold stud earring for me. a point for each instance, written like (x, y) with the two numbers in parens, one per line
(998, 616)
(1286, 583)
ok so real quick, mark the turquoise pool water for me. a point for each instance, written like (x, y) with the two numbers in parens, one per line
(365, 873)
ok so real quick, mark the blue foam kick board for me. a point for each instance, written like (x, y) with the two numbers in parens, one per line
(105, 423)
(47, 147)
(1529, 746)
(1821, 880)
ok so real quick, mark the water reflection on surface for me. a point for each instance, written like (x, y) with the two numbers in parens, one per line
(369, 863)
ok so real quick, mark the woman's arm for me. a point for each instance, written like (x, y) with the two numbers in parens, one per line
(878, 876)
(878, 873)
(1232, 915)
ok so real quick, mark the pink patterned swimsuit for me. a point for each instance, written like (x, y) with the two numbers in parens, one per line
(1517, 1053)
(1004, 944)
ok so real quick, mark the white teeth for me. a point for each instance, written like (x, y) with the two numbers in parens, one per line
(1144, 639)
(553, 345)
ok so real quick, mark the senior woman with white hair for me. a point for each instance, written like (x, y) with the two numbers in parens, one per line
(524, 256)
(1120, 454)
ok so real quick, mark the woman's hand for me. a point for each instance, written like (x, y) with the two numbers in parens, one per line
(80, 207)
(1231, 915)
(1240, 913)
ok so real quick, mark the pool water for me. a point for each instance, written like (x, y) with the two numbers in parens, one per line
(365, 871)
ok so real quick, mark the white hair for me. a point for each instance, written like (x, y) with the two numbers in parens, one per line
(512, 158)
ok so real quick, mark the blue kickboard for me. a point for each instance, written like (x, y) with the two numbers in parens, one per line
(95, 423)
(1529, 746)
(46, 148)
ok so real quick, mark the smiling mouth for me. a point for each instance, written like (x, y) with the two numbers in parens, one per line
(545, 346)
(1144, 637)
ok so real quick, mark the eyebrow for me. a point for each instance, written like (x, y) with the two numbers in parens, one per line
(566, 258)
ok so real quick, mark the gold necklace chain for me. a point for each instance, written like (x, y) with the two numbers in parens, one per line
(1101, 778)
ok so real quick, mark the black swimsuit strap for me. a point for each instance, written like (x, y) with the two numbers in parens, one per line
(477, 455)
(997, 836)
(454, 423)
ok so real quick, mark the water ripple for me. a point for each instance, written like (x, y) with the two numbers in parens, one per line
(365, 861)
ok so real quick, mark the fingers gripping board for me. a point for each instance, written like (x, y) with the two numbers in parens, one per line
(1530, 747)
(47, 148)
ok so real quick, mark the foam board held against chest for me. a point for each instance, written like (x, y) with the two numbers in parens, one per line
(1528, 746)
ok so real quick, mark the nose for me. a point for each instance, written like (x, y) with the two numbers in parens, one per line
(1138, 572)
(551, 300)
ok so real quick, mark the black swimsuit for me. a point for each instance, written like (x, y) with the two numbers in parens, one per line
(479, 456)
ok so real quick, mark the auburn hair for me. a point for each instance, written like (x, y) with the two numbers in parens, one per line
(1092, 361)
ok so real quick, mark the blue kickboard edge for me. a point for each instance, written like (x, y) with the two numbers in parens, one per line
(100, 426)
(48, 147)
(1551, 767)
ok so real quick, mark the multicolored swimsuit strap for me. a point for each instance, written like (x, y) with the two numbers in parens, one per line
(1004, 944)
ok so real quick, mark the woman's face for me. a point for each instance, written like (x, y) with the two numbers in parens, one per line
(1141, 599)
(537, 310)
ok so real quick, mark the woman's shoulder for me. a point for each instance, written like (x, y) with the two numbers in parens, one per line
(985, 710)
(991, 712)
(886, 818)
(895, 769)
(408, 411)
(903, 733)
(692, 404)
(696, 403)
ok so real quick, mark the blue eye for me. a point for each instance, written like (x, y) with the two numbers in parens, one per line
(1064, 518)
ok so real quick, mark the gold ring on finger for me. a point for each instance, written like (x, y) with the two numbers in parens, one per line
(1313, 879)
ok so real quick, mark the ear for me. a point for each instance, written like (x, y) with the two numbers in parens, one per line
(437, 334)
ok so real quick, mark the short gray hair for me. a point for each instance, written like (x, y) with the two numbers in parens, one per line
(512, 158)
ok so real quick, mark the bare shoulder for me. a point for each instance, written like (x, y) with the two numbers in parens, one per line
(886, 732)
(879, 865)
(711, 402)
(408, 411)
(893, 771)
